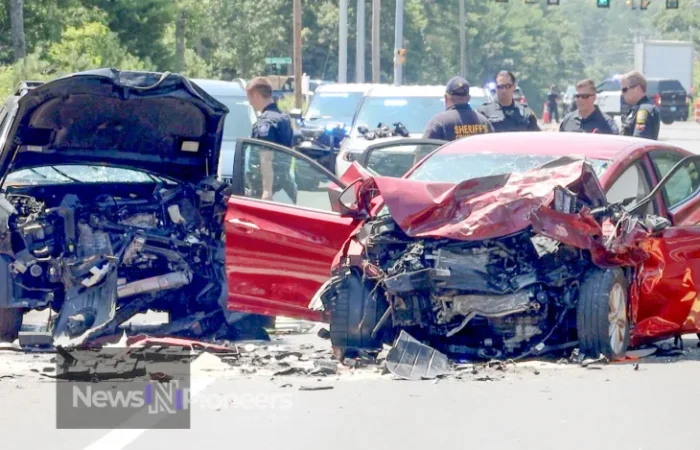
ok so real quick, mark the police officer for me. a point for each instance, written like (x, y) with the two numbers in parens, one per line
(504, 113)
(274, 126)
(459, 119)
(644, 119)
(587, 118)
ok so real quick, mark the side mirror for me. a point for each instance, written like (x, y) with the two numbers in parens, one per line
(295, 113)
(345, 202)
(655, 224)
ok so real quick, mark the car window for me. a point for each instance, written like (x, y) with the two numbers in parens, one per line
(670, 85)
(240, 118)
(450, 166)
(295, 181)
(413, 112)
(340, 106)
(683, 184)
(632, 184)
(396, 159)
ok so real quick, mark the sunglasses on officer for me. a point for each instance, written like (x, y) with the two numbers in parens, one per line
(501, 87)
(627, 88)
(583, 96)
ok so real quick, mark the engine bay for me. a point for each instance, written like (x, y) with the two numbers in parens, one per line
(101, 253)
(492, 298)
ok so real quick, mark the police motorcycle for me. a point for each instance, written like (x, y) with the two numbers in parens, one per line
(322, 144)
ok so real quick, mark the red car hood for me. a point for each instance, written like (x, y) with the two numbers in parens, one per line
(500, 205)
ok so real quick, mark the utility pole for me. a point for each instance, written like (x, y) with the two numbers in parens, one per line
(398, 44)
(462, 40)
(360, 43)
(376, 10)
(343, 43)
(298, 102)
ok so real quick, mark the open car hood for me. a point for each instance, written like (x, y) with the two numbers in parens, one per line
(156, 122)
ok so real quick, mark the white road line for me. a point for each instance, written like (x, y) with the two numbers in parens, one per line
(120, 439)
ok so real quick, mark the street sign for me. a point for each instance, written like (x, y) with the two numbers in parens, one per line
(278, 60)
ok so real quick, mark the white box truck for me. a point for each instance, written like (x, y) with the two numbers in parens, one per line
(671, 60)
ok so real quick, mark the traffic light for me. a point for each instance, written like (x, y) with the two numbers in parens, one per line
(401, 55)
(603, 3)
(671, 4)
(644, 4)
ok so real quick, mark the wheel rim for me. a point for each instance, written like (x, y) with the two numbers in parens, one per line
(617, 318)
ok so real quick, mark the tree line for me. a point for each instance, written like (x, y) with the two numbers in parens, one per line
(227, 39)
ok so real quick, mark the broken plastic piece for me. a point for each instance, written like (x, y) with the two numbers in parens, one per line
(412, 360)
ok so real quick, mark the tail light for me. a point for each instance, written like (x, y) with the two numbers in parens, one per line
(657, 99)
(523, 100)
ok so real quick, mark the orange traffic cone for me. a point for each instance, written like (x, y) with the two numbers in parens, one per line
(546, 117)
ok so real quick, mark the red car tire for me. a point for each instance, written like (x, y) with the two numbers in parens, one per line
(602, 320)
(354, 312)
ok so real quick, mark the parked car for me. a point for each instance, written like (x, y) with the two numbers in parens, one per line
(238, 122)
(505, 270)
(413, 106)
(670, 97)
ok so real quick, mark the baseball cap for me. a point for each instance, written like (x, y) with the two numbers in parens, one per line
(457, 86)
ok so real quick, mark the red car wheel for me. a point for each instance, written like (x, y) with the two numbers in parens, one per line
(602, 320)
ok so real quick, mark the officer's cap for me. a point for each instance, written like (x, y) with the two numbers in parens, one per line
(457, 86)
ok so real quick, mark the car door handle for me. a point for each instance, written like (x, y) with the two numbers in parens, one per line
(244, 224)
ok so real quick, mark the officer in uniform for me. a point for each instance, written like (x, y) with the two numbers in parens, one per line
(269, 172)
(644, 119)
(459, 119)
(587, 118)
(504, 113)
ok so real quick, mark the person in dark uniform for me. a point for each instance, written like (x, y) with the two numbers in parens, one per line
(504, 113)
(269, 172)
(552, 99)
(587, 118)
(643, 119)
(459, 119)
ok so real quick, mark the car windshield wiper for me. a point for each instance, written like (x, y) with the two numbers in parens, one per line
(38, 173)
(63, 174)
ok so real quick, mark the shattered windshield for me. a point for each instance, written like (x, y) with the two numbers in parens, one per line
(413, 112)
(458, 167)
(79, 174)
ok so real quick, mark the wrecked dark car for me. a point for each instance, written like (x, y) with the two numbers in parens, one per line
(110, 205)
(532, 259)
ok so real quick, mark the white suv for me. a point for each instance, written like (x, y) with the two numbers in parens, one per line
(413, 106)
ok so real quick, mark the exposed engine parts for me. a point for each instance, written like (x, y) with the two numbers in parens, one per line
(83, 254)
(491, 298)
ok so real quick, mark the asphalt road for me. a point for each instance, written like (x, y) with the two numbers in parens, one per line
(537, 405)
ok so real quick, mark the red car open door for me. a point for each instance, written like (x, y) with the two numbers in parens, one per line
(279, 251)
(666, 291)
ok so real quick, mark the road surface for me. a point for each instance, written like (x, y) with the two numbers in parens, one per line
(540, 405)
